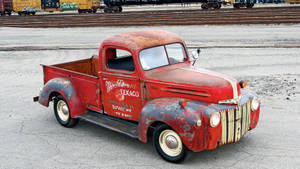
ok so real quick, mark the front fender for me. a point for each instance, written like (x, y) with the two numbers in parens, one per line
(65, 88)
(182, 120)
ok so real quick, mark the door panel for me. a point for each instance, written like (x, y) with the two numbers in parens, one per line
(121, 96)
(121, 91)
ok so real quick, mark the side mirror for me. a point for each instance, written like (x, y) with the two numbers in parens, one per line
(195, 55)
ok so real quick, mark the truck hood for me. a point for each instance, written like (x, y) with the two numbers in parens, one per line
(192, 83)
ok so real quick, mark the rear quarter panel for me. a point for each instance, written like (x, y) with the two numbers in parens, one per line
(85, 86)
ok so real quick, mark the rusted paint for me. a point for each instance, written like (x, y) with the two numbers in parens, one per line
(65, 88)
(183, 120)
(59, 85)
(136, 41)
(150, 96)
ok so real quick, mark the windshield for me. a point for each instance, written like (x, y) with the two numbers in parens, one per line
(162, 55)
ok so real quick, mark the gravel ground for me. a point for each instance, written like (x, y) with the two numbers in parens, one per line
(266, 56)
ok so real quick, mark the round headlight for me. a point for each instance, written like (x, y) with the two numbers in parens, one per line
(254, 104)
(215, 119)
(198, 123)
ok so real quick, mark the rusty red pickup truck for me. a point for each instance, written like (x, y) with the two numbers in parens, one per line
(143, 84)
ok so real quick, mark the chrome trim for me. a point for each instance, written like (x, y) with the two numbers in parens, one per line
(248, 115)
(230, 123)
(224, 126)
(230, 101)
(235, 123)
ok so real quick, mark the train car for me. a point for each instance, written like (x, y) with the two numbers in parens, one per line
(5, 7)
(292, 1)
(84, 6)
(116, 5)
(26, 7)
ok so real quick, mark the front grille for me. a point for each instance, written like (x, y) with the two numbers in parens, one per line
(235, 123)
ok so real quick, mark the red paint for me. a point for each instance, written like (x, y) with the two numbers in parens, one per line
(146, 96)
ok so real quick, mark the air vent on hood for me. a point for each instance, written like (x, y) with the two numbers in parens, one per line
(186, 91)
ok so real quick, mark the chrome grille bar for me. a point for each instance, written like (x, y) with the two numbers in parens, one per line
(244, 120)
(230, 123)
(248, 115)
(235, 123)
(224, 126)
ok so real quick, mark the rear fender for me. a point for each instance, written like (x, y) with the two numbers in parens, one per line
(65, 88)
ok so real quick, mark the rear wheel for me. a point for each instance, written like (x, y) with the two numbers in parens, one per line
(204, 6)
(236, 6)
(250, 5)
(216, 5)
(108, 10)
(168, 144)
(62, 112)
(116, 9)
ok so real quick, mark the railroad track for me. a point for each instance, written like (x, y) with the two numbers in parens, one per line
(269, 15)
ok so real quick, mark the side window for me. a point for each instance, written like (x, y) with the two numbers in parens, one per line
(119, 59)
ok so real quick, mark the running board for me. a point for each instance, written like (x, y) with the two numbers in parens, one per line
(112, 123)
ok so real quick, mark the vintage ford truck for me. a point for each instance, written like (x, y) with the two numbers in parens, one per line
(143, 84)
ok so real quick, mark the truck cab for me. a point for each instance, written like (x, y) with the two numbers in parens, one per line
(143, 84)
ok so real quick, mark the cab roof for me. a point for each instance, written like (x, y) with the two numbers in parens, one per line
(142, 39)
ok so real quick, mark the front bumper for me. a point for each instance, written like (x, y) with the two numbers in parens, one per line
(236, 120)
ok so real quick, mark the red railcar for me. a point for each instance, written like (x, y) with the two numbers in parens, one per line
(6, 7)
(143, 84)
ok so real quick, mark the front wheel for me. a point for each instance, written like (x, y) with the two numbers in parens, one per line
(168, 144)
(62, 112)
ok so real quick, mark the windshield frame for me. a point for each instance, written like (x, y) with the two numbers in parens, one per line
(185, 59)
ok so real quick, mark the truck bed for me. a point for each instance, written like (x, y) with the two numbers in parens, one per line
(83, 73)
(85, 66)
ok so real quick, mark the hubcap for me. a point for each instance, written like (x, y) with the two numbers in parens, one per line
(170, 143)
(62, 110)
